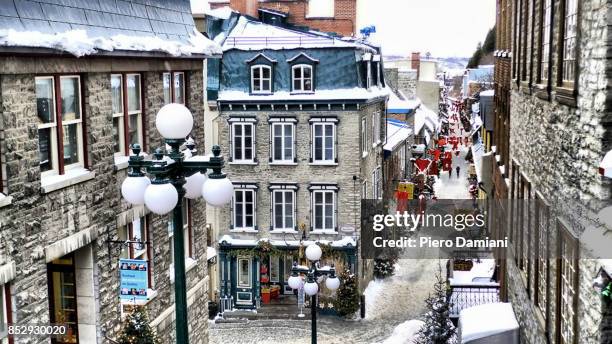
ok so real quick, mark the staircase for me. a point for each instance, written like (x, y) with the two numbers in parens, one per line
(284, 307)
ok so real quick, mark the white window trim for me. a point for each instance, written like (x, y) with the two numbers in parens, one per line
(273, 143)
(5, 312)
(369, 74)
(376, 183)
(364, 137)
(253, 145)
(78, 122)
(244, 228)
(302, 79)
(183, 90)
(314, 214)
(376, 129)
(261, 67)
(293, 210)
(121, 128)
(333, 138)
(364, 190)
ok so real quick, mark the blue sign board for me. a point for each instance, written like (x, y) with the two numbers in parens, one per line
(133, 279)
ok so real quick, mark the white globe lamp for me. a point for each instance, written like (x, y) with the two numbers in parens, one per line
(332, 283)
(133, 189)
(217, 192)
(313, 252)
(161, 198)
(311, 288)
(295, 282)
(174, 121)
(193, 185)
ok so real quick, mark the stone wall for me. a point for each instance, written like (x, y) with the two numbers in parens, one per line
(558, 141)
(35, 221)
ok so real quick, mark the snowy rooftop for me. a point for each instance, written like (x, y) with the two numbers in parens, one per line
(481, 273)
(338, 94)
(423, 116)
(487, 93)
(399, 104)
(253, 35)
(397, 132)
(606, 165)
(103, 27)
(486, 320)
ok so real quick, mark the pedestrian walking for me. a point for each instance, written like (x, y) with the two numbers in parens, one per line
(450, 173)
(458, 170)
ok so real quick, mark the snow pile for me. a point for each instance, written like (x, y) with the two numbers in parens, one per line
(405, 333)
(486, 320)
(79, 43)
(221, 13)
(482, 271)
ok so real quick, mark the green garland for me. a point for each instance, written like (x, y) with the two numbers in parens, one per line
(261, 250)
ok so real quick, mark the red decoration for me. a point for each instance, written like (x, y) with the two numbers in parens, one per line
(422, 164)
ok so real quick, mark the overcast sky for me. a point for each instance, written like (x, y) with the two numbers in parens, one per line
(442, 27)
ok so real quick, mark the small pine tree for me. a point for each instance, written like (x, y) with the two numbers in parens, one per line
(347, 297)
(438, 328)
(475, 59)
(489, 43)
(136, 329)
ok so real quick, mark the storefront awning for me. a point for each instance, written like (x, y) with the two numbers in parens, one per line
(397, 133)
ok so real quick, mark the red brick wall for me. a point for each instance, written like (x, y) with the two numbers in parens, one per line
(343, 23)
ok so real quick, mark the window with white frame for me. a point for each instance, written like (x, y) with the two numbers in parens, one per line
(283, 206)
(376, 128)
(323, 207)
(174, 87)
(570, 42)
(127, 122)
(60, 118)
(243, 142)
(244, 208)
(368, 74)
(364, 189)
(323, 140)
(244, 272)
(261, 79)
(302, 78)
(4, 313)
(364, 136)
(568, 247)
(320, 8)
(377, 183)
(283, 141)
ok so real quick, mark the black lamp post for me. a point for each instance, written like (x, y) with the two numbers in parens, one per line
(311, 288)
(176, 174)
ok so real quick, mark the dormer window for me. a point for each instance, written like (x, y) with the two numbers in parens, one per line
(302, 73)
(261, 79)
(302, 78)
(262, 74)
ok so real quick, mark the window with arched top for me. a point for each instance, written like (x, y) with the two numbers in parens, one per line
(302, 78)
(261, 79)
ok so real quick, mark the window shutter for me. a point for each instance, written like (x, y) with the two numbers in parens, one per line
(255, 209)
(253, 144)
(270, 140)
(336, 210)
(310, 144)
(295, 204)
(312, 219)
(232, 211)
(272, 210)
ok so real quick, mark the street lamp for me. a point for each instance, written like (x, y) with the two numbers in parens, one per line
(176, 174)
(311, 288)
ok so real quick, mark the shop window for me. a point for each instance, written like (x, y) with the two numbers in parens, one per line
(567, 295)
(60, 119)
(274, 269)
(128, 127)
(261, 79)
(244, 272)
(174, 87)
(63, 297)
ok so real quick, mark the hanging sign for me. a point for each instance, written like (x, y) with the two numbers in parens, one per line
(133, 279)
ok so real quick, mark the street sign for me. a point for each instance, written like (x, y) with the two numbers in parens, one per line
(133, 279)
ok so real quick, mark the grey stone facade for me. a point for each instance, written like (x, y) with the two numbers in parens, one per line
(557, 139)
(38, 227)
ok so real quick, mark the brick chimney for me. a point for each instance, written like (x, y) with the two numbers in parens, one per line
(248, 7)
(415, 62)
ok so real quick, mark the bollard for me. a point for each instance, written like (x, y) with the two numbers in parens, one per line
(363, 310)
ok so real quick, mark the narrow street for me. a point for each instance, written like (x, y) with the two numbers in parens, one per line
(389, 302)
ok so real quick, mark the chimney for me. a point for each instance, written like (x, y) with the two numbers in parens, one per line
(415, 62)
(248, 7)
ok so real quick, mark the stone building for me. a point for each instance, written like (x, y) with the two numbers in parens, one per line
(337, 16)
(303, 129)
(552, 129)
(78, 85)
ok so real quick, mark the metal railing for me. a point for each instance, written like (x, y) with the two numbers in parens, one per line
(465, 296)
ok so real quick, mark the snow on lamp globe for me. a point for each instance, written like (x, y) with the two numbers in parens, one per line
(311, 288)
(174, 121)
(217, 191)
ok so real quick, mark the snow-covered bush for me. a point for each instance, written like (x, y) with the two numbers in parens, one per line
(384, 268)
